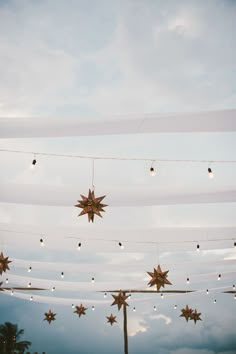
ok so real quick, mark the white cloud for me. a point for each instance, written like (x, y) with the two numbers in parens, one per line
(167, 319)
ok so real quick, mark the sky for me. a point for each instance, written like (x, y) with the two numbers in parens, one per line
(99, 62)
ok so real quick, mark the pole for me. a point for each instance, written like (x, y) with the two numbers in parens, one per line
(125, 329)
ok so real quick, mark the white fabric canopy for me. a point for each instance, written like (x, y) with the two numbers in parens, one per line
(213, 121)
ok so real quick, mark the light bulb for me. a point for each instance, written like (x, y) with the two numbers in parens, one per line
(129, 297)
(198, 248)
(214, 301)
(33, 163)
(155, 308)
(73, 306)
(92, 280)
(134, 309)
(105, 295)
(207, 291)
(210, 173)
(12, 292)
(29, 285)
(79, 246)
(7, 281)
(233, 287)
(62, 275)
(93, 308)
(53, 288)
(187, 280)
(234, 244)
(41, 242)
(234, 297)
(162, 296)
(219, 276)
(29, 269)
(175, 307)
(152, 171)
(31, 298)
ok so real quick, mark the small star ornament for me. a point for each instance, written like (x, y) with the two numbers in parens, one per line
(50, 316)
(187, 313)
(195, 316)
(4, 263)
(91, 205)
(159, 278)
(111, 319)
(120, 300)
(80, 310)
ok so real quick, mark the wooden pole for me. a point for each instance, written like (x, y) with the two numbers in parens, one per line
(125, 329)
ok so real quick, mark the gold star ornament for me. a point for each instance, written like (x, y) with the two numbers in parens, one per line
(195, 316)
(120, 300)
(111, 319)
(91, 205)
(50, 316)
(4, 263)
(187, 313)
(159, 278)
(80, 310)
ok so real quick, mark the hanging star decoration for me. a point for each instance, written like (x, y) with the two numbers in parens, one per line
(159, 278)
(80, 310)
(195, 316)
(187, 313)
(91, 205)
(50, 316)
(4, 263)
(120, 300)
(111, 319)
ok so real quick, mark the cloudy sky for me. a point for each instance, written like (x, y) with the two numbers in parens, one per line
(119, 67)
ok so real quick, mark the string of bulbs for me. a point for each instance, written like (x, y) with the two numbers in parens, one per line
(93, 158)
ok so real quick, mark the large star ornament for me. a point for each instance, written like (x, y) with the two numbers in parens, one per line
(159, 278)
(91, 205)
(49, 316)
(80, 310)
(120, 300)
(195, 316)
(187, 313)
(4, 263)
(111, 319)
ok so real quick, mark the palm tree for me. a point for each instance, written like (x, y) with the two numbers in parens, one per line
(9, 336)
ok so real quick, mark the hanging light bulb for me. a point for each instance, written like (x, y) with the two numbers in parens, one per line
(31, 298)
(152, 171)
(53, 288)
(29, 285)
(134, 309)
(175, 307)
(105, 295)
(210, 173)
(207, 291)
(73, 306)
(214, 301)
(62, 275)
(93, 308)
(198, 248)
(41, 242)
(233, 287)
(79, 246)
(12, 292)
(154, 308)
(234, 244)
(29, 269)
(187, 280)
(219, 277)
(92, 280)
(162, 296)
(33, 163)
(121, 246)
(7, 281)
(129, 297)
(234, 297)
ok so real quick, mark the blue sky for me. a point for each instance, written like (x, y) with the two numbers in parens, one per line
(119, 60)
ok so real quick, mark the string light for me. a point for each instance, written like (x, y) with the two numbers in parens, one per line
(73, 306)
(162, 296)
(214, 301)
(175, 307)
(198, 248)
(219, 277)
(134, 309)
(53, 288)
(93, 280)
(121, 246)
(233, 287)
(12, 292)
(62, 275)
(234, 297)
(207, 291)
(154, 308)
(7, 281)
(93, 308)
(234, 244)
(31, 298)
(129, 297)
(187, 280)
(41, 242)
(79, 246)
(105, 295)
(29, 285)
(29, 269)
(33, 163)
(210, 173)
